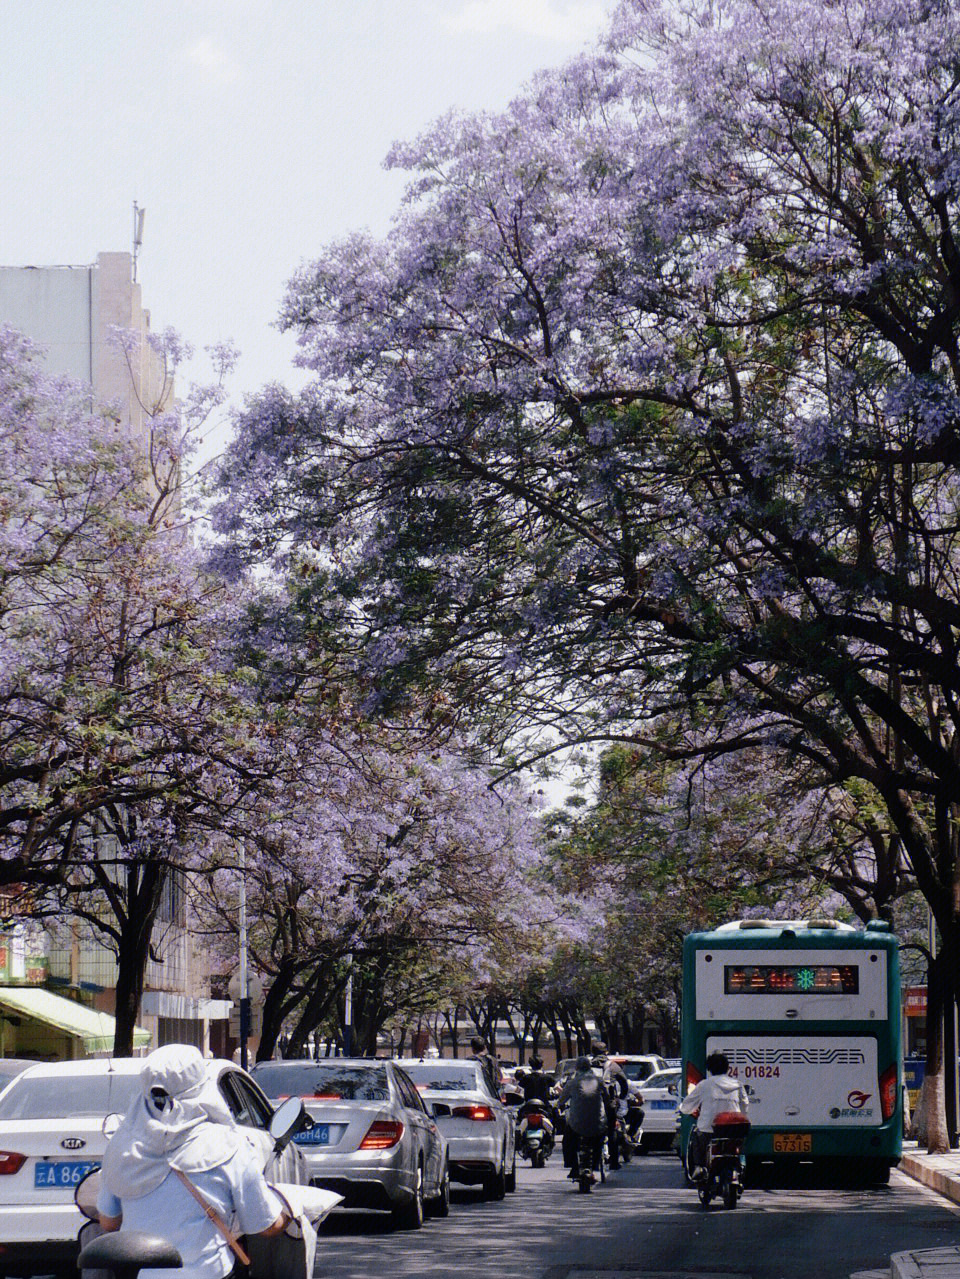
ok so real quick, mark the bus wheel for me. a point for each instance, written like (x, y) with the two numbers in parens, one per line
(879, 1173)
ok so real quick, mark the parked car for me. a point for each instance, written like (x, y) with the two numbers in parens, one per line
(52, 1120)
(480, 1130)
(372, 1140)
(639, 1068)
(660, 1095)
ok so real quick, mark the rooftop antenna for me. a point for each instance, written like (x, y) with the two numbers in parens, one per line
(138, 215)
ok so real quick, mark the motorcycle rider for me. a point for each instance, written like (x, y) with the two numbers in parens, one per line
(616, 1088)
(536, 1083)
(491, 1067)
(586, 1117)
(179, 1124)
(719, 1092)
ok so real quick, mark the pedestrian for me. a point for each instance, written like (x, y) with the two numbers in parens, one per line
(178, 1140)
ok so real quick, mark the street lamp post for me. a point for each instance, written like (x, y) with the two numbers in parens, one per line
(244, 968)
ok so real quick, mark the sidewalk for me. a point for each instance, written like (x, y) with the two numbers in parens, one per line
(940, 1173)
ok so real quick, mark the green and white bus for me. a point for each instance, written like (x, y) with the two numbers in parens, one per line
(808, 1013)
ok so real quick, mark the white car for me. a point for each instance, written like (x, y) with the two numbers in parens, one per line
(660, 1094)
(52, 1134)
(479, 1129)
(639, 1068)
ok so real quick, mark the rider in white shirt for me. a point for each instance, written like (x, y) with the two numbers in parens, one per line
(718, 1093)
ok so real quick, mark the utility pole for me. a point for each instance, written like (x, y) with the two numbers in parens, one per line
(348, 1010)
(244, 969)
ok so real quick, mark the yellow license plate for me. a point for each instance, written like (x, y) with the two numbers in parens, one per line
(792, 1143)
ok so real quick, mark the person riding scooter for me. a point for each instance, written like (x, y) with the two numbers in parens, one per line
(179, 1141)
(616, 1089)
(586, 1120)
(719, 1092)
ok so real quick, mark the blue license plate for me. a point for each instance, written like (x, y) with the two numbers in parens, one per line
(63, 1172)
(663, 1105)
(318, 1135)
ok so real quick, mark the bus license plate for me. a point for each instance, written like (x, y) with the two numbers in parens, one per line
(792, 1143)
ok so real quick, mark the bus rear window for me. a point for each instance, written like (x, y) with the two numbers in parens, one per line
(789, 979)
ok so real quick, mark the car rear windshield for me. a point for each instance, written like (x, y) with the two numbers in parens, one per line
(663, 1078)
(316, 1079)
(638, 1069)
(442, 1077)
(69, 1096)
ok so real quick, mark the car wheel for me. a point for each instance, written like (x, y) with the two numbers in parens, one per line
(510, 1180)
(440, 1207)
(410, 1216)
(495, 1186)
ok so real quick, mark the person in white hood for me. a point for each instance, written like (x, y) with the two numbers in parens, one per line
(179, 1122)
(716, 1094)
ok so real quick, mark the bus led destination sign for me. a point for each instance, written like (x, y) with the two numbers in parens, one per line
(791, 979)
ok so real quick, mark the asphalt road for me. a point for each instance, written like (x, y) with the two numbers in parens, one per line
(643, 1223)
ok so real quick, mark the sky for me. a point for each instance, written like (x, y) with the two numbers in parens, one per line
(252, 132)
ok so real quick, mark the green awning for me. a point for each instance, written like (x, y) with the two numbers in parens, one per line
(95, 1029)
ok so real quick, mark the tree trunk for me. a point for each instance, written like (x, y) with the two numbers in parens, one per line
(143, 889)
(930, 1122)
(276, 1007)
(323, 993)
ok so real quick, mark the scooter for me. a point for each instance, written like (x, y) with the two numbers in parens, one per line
(724, 1160)
(535, 1133)
(584, 1165)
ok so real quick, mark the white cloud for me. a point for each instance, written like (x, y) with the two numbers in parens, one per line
(562, 21)
(213, 60)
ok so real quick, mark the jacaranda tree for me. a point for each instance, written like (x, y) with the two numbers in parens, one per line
(650, 397)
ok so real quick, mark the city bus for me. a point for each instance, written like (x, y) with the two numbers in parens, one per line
(808, 1013)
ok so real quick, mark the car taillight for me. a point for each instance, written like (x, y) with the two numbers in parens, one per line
(483, 1113)
(382, 1134)
(11, 1161)
(888, 1091)
(693, 1076)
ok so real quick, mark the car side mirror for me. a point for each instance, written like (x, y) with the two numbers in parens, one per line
(287, 1119)
(85, 1195)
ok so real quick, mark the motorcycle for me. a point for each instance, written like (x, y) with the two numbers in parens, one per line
(536, 1135)
(583, 1167)
(724, 1162)
(633, 1120)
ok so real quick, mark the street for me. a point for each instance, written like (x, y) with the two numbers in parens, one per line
(643, 1222)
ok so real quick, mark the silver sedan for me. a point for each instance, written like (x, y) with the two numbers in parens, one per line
(372, 1140)
(479, 1129)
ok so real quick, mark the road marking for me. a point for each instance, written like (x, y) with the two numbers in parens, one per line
(581, 1272)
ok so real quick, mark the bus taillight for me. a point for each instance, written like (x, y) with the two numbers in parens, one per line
(693, 1076)
(888, 1091)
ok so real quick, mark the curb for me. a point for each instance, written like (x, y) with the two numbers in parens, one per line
(933, 1178)
(931, 1263)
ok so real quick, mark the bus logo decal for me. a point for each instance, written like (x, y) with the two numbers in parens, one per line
(796, 1056)
(857, 1099)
